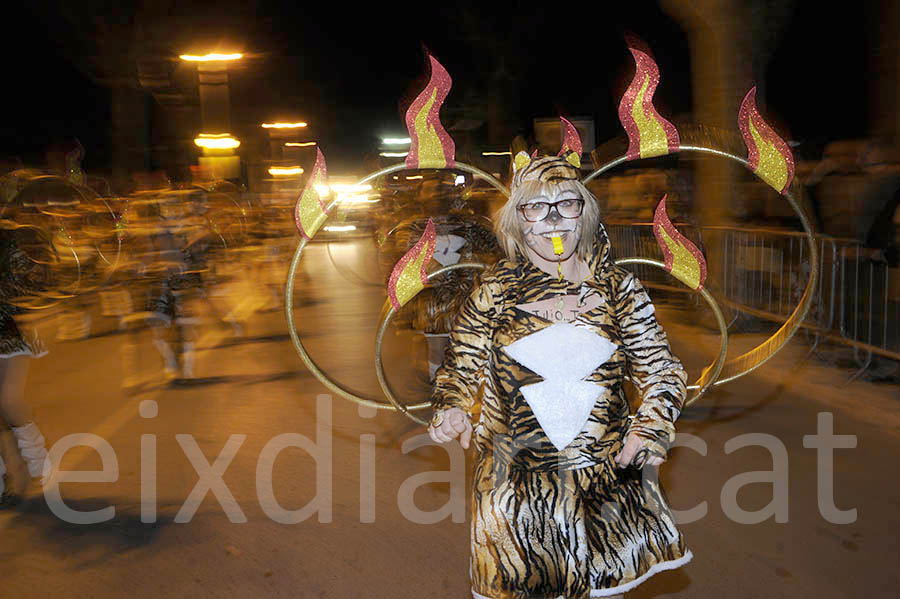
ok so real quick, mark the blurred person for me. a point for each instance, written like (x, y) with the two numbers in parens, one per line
(461, 236)
(881, 162)
(853, 188)
(545, 342)
(181, 243)
(19, 277)
(64, 159)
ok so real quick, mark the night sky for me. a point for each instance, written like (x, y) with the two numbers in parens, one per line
(347, 69)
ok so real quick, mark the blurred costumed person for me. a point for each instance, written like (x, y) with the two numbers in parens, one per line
(461, 236)
(566, 500)
(182, 243)
(20, 276)
(64, 160)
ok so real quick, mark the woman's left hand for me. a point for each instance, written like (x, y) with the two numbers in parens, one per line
(633, 445)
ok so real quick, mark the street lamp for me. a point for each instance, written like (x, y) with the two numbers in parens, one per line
(212, 57)
(216, 141)
(297, 125)
(285, 171)
(215, 113)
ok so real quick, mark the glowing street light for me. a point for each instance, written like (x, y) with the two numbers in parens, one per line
(285, 171)
(216, 141)
(298, 125)
(212, 57)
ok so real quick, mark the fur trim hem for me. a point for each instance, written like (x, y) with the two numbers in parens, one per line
(623, 588)
(654, 569)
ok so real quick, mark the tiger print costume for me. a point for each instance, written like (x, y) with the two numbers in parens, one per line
(548, 522)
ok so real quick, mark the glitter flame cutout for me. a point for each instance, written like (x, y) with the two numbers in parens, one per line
(649, 134)
(684, 260)
(571, 140)
(311, 211)
(769, 156)
(409, 277)
(430, 145)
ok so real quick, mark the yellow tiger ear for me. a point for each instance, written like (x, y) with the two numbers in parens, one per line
(574, 159)
(522, 160)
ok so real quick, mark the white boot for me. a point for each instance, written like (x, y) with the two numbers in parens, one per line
(170, 362)
(187, 359)
(31, 446)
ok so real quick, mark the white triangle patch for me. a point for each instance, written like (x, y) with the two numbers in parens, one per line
(563, 354)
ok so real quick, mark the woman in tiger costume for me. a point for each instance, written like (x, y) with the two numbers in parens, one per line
(563, 504)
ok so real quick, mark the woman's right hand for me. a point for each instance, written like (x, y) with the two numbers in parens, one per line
(450, 424)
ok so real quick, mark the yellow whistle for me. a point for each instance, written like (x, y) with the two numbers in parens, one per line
(558, 250)
(557, 245)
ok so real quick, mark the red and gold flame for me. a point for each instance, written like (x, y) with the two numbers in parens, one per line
(769, 156)
(430, 145)
(571, 140)
(311, 211)
(409, 277)
(648, 133)
(684, 260)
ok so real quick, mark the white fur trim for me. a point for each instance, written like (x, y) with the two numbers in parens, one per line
(622, 588)
(654, 569)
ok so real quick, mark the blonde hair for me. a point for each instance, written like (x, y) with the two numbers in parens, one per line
(507, 223)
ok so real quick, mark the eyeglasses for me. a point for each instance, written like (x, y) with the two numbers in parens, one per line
(536, 211)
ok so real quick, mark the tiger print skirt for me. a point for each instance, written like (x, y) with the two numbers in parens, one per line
(587, 532)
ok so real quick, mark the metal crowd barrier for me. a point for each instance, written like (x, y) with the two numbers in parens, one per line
(761, 273)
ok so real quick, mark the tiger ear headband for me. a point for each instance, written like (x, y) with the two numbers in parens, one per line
(649, 135)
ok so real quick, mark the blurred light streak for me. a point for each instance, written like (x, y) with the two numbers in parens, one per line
(284, 171)
(414, 177)
(394, 154)
(297, 125)
(216, 141)
(212, 57)
(298, 144)
(496, 153)
(396, 141)
(340, 228)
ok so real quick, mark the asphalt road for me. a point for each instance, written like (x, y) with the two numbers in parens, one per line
(381, 528)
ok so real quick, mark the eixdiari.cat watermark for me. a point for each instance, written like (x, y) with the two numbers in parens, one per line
(210, 475)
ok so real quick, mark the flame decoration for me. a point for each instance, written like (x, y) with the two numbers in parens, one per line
(684, 260)
(571, 139)
(649, 134)
(769, 156)
(409, 277)
(311, 211)
(430, 145)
